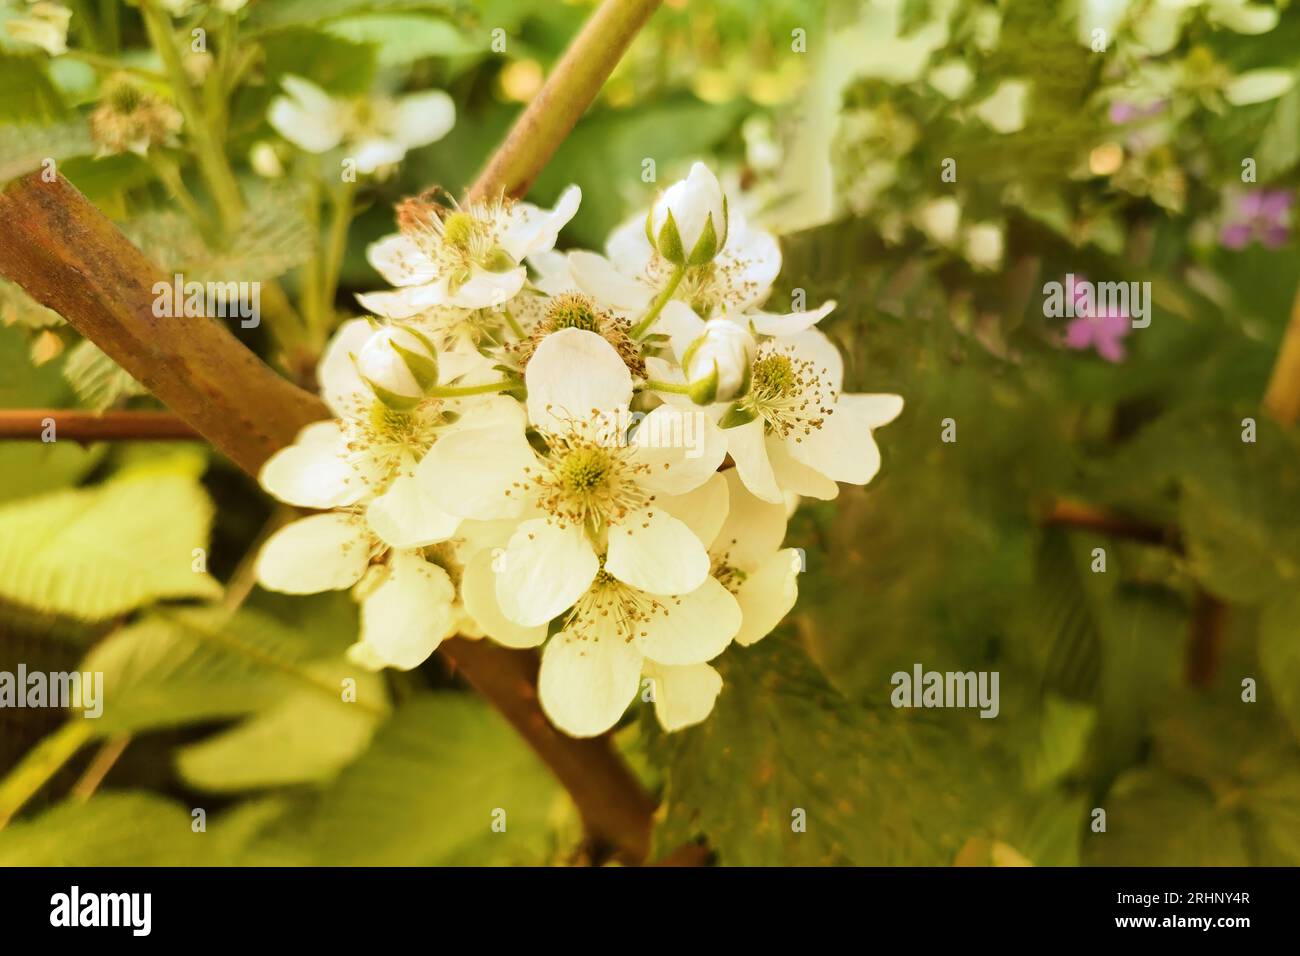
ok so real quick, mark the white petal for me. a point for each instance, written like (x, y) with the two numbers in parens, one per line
(843, 448)
(655, 552)
(595, 276)
(476, 473)
(815, 347)
(479, 594)
(794, 476)
(706, 509)
(407, 616)
(585, 685)
(696, 628)
(627, 247)
(544, 569)
(405, 516)
(424, 118)
(372, 153)
(1258, 86)
(752, 257)
(484, 289)
(771, 323)
(405, 302)
(308, 118)
(684, 695)
(748, 449)
(767, 595)
(682, 326)
(313, 472)
(401, 261)
(573, 374)
(340, 385)
(531, 230)
(321, 553)
(754, 528)
(681, 445)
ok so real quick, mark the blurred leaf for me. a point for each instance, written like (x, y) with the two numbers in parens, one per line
(283, 13)
(877, 788)
(98, 381)
(1279, 655)
(25, 148)
(339, 66)
(404, 38)
(94, 553)
(109, 829)
(426, 792)
(26, 93)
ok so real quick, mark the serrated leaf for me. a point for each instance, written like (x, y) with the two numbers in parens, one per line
(98, 381)
(874, 788)
(110, 829)
(426, 791)
(202, 664)
(96, 552)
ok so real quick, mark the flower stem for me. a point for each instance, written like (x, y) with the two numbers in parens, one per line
(657, 306)
(108, 64)
(674, 387)
(40, 765)
(337, 244)
(166, 171)
(209, 153)
(455, 391)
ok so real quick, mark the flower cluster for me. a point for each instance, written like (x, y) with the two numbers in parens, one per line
(592, 453)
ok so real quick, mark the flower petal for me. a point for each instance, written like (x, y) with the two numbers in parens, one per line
(531, 230)
(753, 529)
(683, 696)
(544, 569)
(408, 616)
(484, 289)
(767, 595)
(595, 276)
(476, 473)
(843, 448)
(340, 385)
(478, 592)
(586, 684)
(653, 551)
(405, 516)
(423, 118)
(772, 323)
(748, 449)
(401, 261)
(682, 447)
(575, 375)
(796, 477)
(705, 510)
(696, 627)
(313, 472)
(321, 553)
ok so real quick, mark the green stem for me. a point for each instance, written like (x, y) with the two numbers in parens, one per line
(170, 176)
(108, 64)
(110, 25)
(514, 325)
(657, 386)
(456, 391)
(337, 244)
(309, 293)
(208, 151)
(40, 765)
(657, 306)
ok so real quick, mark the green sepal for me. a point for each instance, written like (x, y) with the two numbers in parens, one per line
(736, 416)
(703, 391)
(706, 247)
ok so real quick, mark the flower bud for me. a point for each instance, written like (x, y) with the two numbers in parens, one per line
(717, 363)
(688, 223)
(399, 365)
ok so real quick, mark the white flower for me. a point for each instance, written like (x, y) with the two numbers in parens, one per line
(984, 245)
(632, 272)
(940, 218)
(688, 223)
(376, 131)
(408, 608)
(722, 354)
(45, 24)
(469, 256)
(591, 501)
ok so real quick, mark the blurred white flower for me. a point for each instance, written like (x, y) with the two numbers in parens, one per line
(375, 131)
(44, 24)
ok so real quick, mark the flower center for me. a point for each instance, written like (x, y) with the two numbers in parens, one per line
(789, 393)
(612, 606)
(573, 311)
(459, 230)
(382, 442)
(586, 483)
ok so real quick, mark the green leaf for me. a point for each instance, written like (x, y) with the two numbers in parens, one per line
(1279, 655)
(284, 13)
(110, 829)
(874, 787)
(26, 93)
(202, 664)
(98, 381)
(426, 792)
(402, 39)
(339, 66)
(25, 148)
(93, 553)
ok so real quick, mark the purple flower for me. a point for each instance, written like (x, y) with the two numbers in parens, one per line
(1262, 215)
(1103, 331)
(1123, 112)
